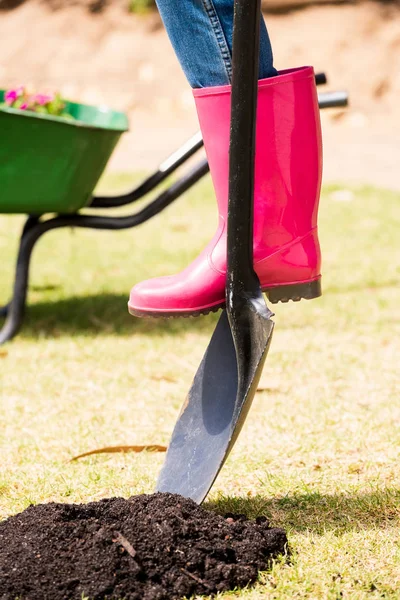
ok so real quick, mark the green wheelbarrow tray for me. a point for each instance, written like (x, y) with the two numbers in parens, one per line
(52, 164)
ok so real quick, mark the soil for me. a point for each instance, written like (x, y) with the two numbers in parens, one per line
(127, 62)
(150, 547)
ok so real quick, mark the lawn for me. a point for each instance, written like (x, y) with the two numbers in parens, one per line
(319, 454)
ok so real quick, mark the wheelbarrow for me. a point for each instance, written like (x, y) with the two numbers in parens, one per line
(49, 167)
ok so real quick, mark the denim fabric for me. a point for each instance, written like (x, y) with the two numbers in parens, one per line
(201, 34)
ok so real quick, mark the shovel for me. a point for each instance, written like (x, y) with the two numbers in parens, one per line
(227, 378)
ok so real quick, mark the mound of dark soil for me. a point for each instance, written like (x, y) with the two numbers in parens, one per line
(150, 547)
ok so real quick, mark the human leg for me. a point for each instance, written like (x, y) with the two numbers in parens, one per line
(201, 33)
(286, 196)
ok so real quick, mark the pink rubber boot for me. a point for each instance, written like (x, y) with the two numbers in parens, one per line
(287, 186)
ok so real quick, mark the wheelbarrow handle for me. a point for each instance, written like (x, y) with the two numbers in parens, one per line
(333, 99)
(321, 79)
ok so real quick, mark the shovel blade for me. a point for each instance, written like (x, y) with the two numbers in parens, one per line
(217, 404)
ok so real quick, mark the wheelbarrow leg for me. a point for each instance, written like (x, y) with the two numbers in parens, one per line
(4, 310)
(14, 311)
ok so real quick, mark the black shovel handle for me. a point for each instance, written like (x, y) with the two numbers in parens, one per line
(245, 61)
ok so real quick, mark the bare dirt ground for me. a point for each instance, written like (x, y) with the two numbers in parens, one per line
(126, 61)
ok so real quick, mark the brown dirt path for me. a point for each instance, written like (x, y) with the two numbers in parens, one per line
(127, 61)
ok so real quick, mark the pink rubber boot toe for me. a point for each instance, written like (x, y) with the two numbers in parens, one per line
(181, 294)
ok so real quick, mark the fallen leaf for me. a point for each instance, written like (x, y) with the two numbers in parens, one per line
(3, 353)
(115, 449)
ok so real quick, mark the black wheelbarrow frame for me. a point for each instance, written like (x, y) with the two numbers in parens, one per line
(37, 225)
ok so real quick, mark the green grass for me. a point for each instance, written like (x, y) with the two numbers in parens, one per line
(319, 454)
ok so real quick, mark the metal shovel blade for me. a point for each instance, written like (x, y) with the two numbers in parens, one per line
(218, 402)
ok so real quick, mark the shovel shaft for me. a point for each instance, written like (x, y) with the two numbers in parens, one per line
(241, 277)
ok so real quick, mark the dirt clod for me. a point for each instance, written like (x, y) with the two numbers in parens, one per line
(150, 547)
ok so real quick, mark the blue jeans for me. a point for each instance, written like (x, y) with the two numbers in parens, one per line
(201, 34)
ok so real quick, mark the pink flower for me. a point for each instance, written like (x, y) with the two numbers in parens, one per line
(44, 103)
(12, 95)
(43, 99)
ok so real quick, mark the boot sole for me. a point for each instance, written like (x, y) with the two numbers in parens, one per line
(294, 292)
(282, 293)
